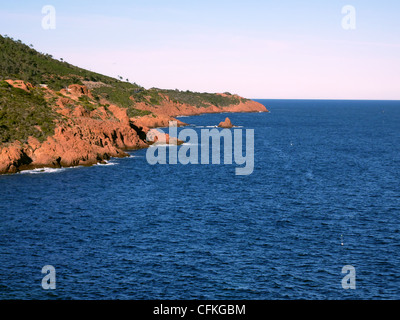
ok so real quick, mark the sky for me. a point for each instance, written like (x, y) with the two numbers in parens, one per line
(268, 49)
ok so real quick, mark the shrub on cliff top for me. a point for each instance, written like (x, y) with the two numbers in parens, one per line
(133, 112)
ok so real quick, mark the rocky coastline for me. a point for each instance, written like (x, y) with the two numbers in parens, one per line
(86, 138)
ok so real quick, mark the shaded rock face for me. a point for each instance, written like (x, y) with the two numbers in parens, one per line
(12, 158)
(226, 124)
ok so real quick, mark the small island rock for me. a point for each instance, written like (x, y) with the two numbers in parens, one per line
(226, 124)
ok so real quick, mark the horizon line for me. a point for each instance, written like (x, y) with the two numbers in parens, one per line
(325, 99)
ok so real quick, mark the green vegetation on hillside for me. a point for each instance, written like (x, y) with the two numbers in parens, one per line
(21, 62)
(24, 114)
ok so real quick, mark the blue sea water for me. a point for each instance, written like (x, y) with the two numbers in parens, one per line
(324, 194)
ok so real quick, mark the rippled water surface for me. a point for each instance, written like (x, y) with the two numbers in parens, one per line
(324, 194)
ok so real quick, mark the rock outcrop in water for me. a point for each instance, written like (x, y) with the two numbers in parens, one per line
(226, 124)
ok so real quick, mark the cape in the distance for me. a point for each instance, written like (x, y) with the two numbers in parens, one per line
(54, 114)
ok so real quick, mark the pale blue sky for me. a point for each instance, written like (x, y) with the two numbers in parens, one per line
(258, 49)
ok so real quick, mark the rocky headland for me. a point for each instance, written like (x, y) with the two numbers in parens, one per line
(72, 117)
(88, 137)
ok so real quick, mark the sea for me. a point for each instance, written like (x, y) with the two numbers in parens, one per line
(318, 218)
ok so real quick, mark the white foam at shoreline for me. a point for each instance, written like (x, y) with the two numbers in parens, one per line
(58, 170)
(163, 145)
(197, 127)
(107, 163)
(44, 170)
(190, 144)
